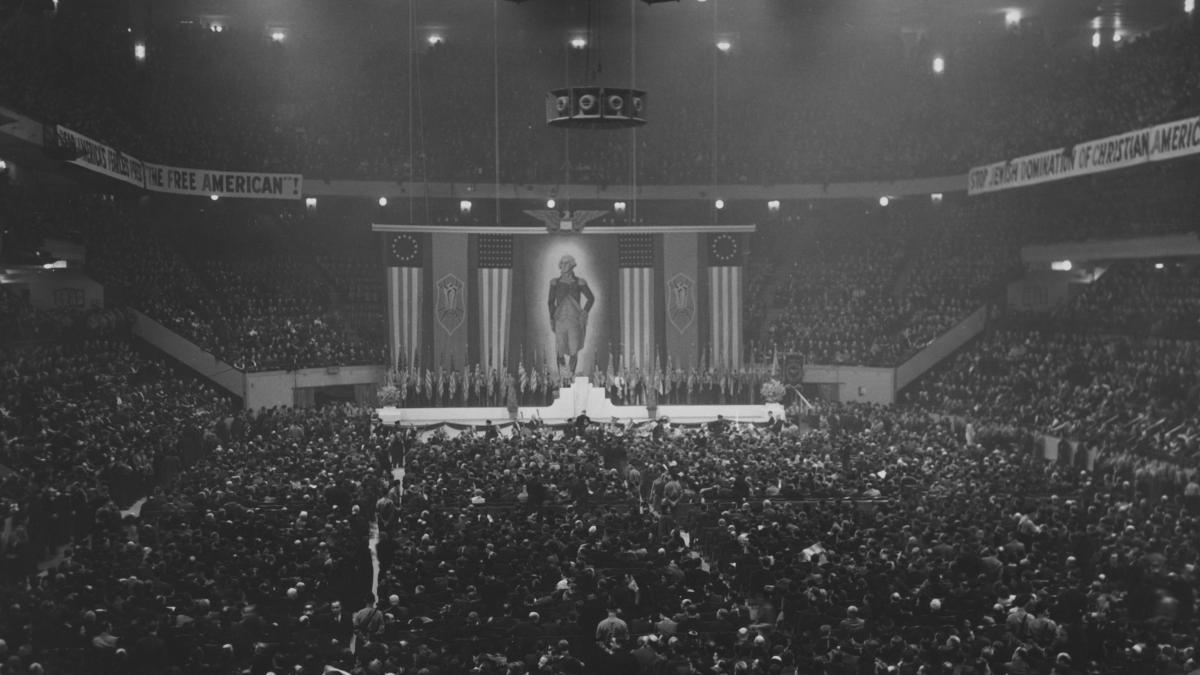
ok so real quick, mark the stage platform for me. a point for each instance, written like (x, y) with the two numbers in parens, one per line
(579, 398)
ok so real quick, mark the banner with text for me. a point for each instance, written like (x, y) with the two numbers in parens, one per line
(203, 182)
(102, 159)
(1163, 141)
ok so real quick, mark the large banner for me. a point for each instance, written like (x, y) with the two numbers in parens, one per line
(1156, 143)
(202, 182)
(102, 159)
(557, 319)
(609, 302)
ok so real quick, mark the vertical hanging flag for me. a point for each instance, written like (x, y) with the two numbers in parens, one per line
(495, 299)
(405, 271)
(725, 259)
(635, 258)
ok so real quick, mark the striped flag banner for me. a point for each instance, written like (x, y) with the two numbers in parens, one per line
(725, 301)
(495, 299)
(404, 301)
(404, 281)
(636, 262)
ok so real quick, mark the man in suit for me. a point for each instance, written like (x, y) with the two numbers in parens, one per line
(338, 622)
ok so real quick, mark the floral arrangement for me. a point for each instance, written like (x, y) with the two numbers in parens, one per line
(772, 391)
(389, 395)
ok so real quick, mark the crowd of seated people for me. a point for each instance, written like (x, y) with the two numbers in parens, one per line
(235, 100)
(20, 320)
(882, 540)
(874, 290)
(86, 421)
(1140, 297)
(188, 582)
(228, 286)
(874, 539)
(152, 277)
(1119, 395)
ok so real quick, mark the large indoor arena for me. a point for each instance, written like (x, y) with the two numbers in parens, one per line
(629, 337)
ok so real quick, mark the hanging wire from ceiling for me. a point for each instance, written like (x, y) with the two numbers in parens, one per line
(633, 131)
(715, 63)
(412, 48)
(415, 82)
(496, 101)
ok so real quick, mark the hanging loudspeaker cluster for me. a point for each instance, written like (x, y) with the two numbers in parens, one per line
(595, 107)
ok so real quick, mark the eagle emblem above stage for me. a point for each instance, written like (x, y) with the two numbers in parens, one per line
(450, 308)
(564, 222)
(681, 301)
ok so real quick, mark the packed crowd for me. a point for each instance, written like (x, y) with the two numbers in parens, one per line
(229, 283)
(1141, 297)
(86, 420)
(928, 538)
(878, 540)
(874, 289)
(1115, 394)
(213, 542)
(234, 100)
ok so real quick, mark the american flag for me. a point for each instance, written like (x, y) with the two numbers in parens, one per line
(495, 298)
(725, 257)
(405, 267)
(635, 258)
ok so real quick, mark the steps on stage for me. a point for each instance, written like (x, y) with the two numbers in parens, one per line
(582, 396)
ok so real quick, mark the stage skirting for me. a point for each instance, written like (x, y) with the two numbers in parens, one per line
(580, 398)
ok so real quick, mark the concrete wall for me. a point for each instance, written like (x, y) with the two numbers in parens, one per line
(942, 347)
(277, 387)
(1112, 249)
(220, 373)
(56, 289)
(856, 383)
(869, 190)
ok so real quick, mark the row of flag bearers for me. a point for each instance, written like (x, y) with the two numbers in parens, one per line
(538, 385)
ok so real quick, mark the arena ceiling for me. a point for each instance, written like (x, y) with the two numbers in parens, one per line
(759, 20)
